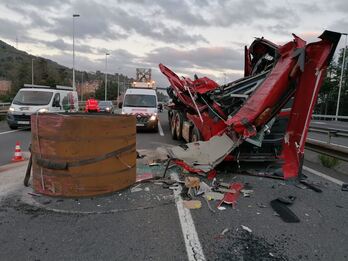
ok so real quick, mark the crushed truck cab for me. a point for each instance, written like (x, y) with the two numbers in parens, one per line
(267, 113)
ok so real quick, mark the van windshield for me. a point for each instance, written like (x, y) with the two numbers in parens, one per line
(32, 98)
(140, 100)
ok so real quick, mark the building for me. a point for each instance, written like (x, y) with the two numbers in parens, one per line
(5, 87)
(87, 88)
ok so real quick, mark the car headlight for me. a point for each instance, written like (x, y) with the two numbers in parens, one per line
(11, 109)
(107, 109)
(43, 110)
(153, 118)
(122, 112)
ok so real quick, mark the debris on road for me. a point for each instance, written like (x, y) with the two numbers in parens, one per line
(230, 198)
(261, 205)
(203, 156)
(284, 211)
(246, 229)
(192, 204)
(192, 182)
(247, 192)
(310, 186)
(143, 177)
(214, 195)
(344, 187)
(224, 231)
(208, 204)
(136, 189)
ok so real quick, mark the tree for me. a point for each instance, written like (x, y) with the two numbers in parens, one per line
(112, 91)
(327, 98)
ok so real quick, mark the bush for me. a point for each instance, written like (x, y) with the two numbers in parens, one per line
(328, 161)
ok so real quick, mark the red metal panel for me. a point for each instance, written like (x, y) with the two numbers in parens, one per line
(304, 101)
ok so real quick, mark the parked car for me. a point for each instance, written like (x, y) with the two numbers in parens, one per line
(106, 106)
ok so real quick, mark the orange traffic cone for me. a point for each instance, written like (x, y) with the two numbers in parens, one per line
(18, 153)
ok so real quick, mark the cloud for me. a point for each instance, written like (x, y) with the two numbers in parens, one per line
(115, 23)
(213, 58)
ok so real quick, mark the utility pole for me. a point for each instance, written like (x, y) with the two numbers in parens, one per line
(341, 78)
(106, 75)
(118, 86)
(73, 16)
(81, 87)
(32, 70)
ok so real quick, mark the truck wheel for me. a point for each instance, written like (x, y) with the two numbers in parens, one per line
(170, 119)
(196, 135)
(172, 126)
(179, 121)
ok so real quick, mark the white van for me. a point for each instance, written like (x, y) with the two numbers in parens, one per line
(39, 99)
(143, 104)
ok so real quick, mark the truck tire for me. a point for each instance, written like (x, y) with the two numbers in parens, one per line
(172, 126)
(179, 121)
(170, 119)
(196, 135)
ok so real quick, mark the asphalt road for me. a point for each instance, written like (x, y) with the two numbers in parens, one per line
(145, 225)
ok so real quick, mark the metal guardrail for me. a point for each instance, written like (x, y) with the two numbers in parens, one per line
(332, 150)
(4, 107)
(326, 147)
(321, 116)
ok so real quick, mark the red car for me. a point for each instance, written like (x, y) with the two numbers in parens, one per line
(92, 105)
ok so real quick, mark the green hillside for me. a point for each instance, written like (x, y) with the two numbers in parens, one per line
(15, 65)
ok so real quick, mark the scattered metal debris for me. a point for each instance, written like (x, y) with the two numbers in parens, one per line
(284, 211)
(344, 187)
(311, 186)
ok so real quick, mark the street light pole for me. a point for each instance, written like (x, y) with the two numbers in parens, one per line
(32, 70)
(74, 84)
(118, 86)
(106, 75)
(341, 78)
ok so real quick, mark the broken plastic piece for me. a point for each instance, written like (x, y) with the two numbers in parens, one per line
(246, 229)
(192, 204)
(204, 155)
(203, 188)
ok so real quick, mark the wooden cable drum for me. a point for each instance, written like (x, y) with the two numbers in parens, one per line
(77, 155)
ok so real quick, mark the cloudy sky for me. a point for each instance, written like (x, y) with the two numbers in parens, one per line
(191, 36)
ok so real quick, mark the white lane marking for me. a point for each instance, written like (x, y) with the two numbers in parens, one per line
(160, 129)
(6, 132)
(315, 172)
(320, 141)
(193, 246)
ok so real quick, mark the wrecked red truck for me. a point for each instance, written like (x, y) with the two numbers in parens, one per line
(263, 117)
